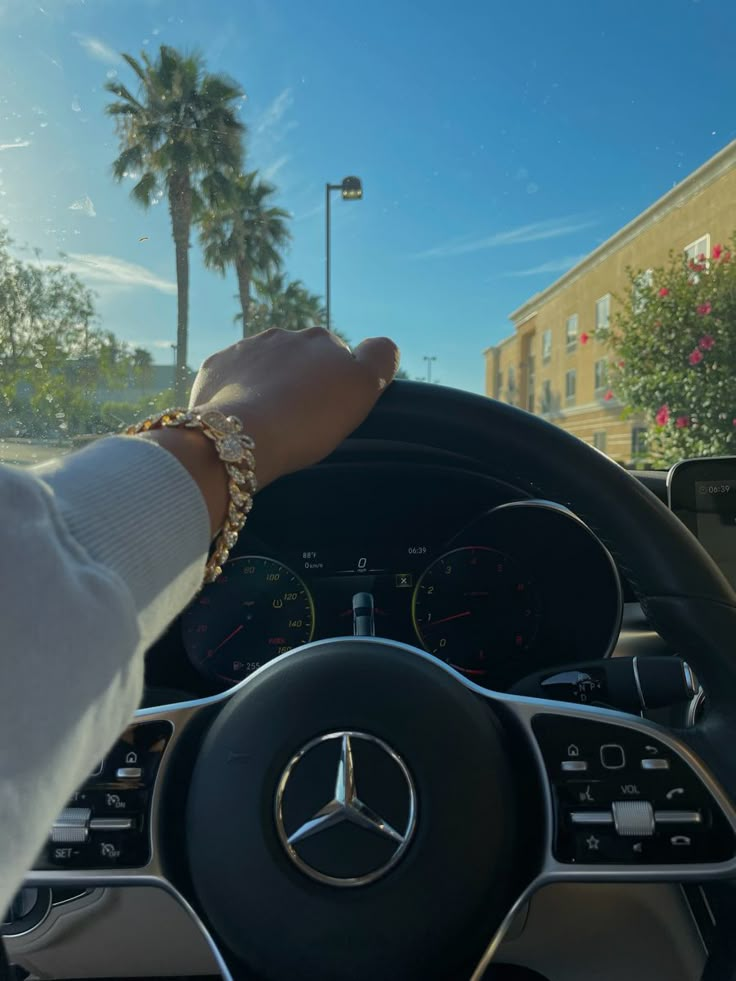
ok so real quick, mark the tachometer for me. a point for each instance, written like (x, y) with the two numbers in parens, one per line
(475, 608)
(256, 610)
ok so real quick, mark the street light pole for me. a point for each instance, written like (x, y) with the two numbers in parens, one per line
(429, 359)
(351, 189)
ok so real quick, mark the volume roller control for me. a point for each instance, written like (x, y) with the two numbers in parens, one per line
(71, 826)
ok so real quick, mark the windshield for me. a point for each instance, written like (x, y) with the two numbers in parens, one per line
(537, 201)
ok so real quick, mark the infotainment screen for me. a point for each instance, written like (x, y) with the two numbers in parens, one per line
(702, 493)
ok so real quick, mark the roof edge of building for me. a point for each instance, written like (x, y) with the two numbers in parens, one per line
(695, 182)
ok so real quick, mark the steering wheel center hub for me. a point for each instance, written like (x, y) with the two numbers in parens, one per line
(348, 841)
(353, 763)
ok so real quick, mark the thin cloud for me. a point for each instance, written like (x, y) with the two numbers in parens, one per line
(537, 231)
(272, 116)
(269, 130)
(111, 272)
(272, 170)
(97, 49)
(553, 266)
(317, 209)
(15, 146)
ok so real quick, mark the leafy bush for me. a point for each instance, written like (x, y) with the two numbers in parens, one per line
(674, 359)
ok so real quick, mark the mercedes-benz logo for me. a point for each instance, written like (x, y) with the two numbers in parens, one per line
(345, 860)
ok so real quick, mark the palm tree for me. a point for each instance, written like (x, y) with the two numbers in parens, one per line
(142, 364)
(179, 135)
(287, 305)
(245, 231)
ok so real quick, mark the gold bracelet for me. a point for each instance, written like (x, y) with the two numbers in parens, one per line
(235, 449)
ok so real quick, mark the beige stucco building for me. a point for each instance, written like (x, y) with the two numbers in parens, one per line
(555, 362)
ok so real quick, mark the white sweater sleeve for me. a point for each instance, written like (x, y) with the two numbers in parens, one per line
(99, 551)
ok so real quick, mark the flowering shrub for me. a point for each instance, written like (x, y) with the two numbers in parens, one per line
(675, 347)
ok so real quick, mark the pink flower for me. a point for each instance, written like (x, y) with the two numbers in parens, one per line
(706, 342)
(663, 416)
(682, 422)
(663, 291)
(608, 396)
(695, 357)
(704, 309)
(726, 257)
(584, 338)
(701, 257)
(717, 250)
(621, 364)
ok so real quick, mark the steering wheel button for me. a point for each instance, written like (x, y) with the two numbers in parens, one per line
(678, 817)
(594, 846)
(582, 793)
(655, 763)
(574, 766)
(591, 817)
(633, 818)
(129, 773)
(612, 756)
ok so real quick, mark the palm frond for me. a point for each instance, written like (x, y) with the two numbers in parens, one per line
(135, 65)
(143, 191)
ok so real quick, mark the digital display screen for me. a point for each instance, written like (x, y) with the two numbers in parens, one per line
(715, 514)
(390, 573)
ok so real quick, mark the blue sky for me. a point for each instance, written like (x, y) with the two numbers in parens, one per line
(498, 142)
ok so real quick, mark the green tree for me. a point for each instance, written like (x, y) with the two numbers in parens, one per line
(179, 135)
(53, 357)
(247, 232)
(675, 355)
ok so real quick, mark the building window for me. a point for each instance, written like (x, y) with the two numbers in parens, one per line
(640, 293)
(638, 442)
(599, 440)
(499, 384)
(546, 405)
(571, 332)
(603, 312)
(530, 382)
(601, 374)
(511, 385)
(546, 345)
(700, 246)
(570, 385)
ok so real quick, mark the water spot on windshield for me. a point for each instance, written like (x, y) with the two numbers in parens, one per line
(84, 205)
(76, 106)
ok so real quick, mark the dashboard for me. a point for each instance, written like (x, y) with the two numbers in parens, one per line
(495, 583)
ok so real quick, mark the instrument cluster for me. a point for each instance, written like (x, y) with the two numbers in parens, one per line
(518, 587)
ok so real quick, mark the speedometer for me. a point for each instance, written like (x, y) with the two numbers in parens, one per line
(474, 608)
(256, 610)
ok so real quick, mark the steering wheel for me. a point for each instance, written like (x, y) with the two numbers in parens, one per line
(382, 815)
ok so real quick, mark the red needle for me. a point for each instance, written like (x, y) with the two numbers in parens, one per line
(455, 616)
(229, 637)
